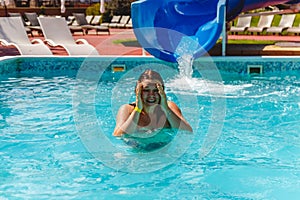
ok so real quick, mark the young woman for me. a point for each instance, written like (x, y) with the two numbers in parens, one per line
(151, 109)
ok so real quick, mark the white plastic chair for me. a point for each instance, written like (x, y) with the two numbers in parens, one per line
(13, 32)
(264, 22)
(243, 22)
(286, 22)
(57, 33)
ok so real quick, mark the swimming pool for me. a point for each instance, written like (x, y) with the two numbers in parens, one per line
(57, 116)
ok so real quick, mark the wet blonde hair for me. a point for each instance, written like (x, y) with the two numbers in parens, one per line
(149, 74)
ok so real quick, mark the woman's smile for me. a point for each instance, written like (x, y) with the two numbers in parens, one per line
(150, 93)
(151, 100)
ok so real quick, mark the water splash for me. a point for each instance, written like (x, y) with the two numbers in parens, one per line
(185, 51)
(185, 65)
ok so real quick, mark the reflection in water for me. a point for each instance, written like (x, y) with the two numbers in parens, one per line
(150, 140)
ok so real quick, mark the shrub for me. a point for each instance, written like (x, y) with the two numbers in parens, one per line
(112, 7)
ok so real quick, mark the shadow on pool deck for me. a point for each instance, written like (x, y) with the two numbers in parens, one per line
(255, 50)
(123, 42)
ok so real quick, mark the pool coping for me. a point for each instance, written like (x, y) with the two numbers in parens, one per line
(232, 64)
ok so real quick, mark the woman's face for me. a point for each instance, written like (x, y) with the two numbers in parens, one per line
(150, 93)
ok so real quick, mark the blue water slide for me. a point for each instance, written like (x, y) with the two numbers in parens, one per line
(169, 29)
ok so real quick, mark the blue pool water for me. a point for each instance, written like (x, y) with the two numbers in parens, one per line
(57, 118)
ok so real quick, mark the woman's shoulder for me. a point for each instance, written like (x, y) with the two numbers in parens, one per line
(133, 104)
(173, 106)
(172, 103)
(125, 110)
(128, 107)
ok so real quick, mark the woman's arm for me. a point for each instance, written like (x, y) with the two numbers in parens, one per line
(128, 117)
(126, 120)
(172, 111)
(176, 118)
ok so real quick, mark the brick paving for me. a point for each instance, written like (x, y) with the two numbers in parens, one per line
(290, 38)
(106, 45)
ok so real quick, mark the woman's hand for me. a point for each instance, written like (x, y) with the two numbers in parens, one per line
(138, 93)
(163, 96)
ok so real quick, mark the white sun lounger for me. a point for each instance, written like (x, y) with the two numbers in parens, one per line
(13, 32)
(57, 33)
(294, 30)
(286, 22)
(82, 22)
(264, 22)
(243, 22)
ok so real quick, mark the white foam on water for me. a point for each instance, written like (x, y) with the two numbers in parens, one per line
(204, 87)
